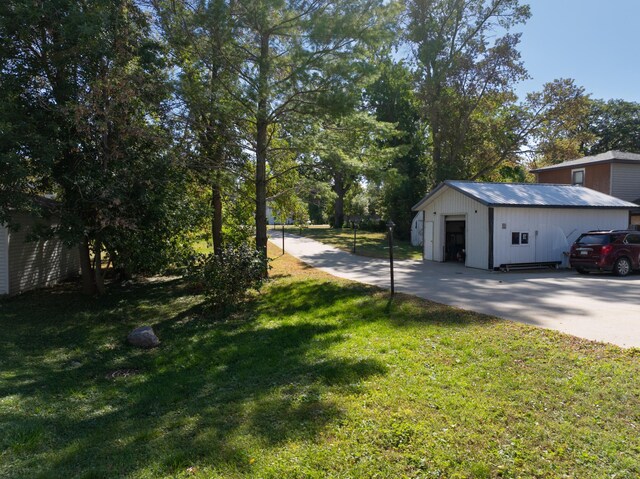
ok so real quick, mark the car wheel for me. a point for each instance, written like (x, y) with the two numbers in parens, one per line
(582, 271)
(622, 267)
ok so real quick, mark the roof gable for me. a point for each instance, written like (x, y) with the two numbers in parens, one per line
(530, 195)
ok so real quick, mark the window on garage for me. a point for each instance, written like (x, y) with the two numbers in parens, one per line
(519, 238)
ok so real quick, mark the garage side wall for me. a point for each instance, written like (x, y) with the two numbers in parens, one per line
(453, 203)
(40, 263)
(529, 235)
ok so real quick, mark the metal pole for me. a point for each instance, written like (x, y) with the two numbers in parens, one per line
(390, 225)
(283, 237)
(353, 225)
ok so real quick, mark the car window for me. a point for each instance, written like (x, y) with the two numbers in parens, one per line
(594, 239)
(633, 239)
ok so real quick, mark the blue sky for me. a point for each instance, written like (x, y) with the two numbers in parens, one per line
(595, 42)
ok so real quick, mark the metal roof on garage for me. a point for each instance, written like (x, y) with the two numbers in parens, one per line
(530, 195)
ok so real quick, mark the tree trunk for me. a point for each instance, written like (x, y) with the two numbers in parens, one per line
(88, 285)
(216, 221)
(97, 268)
(338, 205)
(262, 125)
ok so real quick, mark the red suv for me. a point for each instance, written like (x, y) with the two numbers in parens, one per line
(617, 251)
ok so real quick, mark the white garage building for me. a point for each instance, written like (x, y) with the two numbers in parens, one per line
(493, 225)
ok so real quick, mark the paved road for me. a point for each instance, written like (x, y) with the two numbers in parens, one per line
(598, 307)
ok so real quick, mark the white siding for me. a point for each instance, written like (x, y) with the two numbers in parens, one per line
(417, 230)
(35, 264)
(453, 203)
(4, 261)
(428, 240)
(551, 231)
(625, 181)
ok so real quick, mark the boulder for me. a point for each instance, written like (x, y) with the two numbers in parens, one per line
(143, 337)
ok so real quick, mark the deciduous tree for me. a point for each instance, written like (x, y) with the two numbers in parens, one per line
(615, 125)
(467, 62)
(198, 35)
(348, 150)
(83, 91)
(293, 58)
(552, 123)
(405, 179)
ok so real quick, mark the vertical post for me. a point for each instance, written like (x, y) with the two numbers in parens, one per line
(353, 225)
(390, 226)
(282, 237)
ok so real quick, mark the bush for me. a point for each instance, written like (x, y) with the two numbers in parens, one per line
(227, 278)
(374, 226)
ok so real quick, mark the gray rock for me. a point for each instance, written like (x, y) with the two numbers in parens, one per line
(143, 337)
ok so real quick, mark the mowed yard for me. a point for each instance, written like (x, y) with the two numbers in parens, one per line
(314, 377)
(368, 243)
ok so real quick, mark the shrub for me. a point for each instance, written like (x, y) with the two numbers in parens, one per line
(227, 278)
(374, 226)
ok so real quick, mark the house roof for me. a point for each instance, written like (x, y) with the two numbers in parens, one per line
(531, 195)
(608, 157)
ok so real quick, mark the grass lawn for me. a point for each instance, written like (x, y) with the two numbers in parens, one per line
(315, 377)
(373, 245)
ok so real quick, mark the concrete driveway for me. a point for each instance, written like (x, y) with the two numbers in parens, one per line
(598, 307)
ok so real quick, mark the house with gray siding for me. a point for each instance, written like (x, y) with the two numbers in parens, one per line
(615, 173)
(495, 225)
(27, 263)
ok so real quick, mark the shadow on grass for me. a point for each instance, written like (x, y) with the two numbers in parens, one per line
(304, 296)
(212, 393)
(406, 310)
(327, 299)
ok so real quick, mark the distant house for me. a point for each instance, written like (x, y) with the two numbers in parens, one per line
(492, 225)
(27, 264)
(614, 173)
(273, 220)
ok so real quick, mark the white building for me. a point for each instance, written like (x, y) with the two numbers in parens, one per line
(272, 220)
(417, 229)
(26, 265)
(493, 225)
